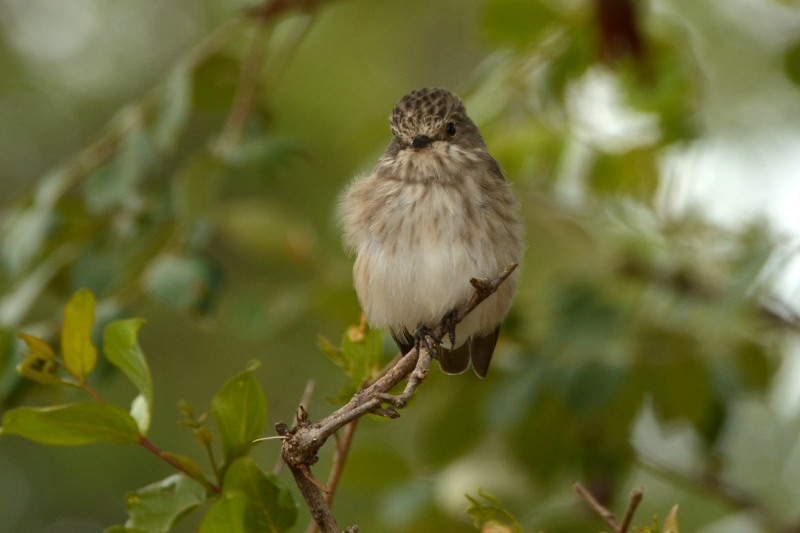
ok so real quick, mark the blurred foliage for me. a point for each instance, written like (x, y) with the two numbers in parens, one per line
(183, 167)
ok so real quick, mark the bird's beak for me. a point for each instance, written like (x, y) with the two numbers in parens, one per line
(420, 141)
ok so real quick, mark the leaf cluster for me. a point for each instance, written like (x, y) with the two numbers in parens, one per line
(241, 496)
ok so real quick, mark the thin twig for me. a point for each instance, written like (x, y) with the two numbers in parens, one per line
(597, 507)
(315, 502)
(321, 486)
(91, 392)
(342, 450)
(144, 441)
(633, 504)
(605, 513)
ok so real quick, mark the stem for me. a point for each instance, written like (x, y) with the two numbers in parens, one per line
(605, 513)
(213, 461)
(80, 382)
(633, 504)
(170, 460)
(91, 392)
(342, 450)
(601, 510)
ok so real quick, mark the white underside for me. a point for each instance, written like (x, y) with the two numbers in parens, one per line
(415, 267)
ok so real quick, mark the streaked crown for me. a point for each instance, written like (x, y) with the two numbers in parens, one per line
(425, 112)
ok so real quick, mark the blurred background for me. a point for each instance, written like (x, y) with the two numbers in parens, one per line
(182, 160)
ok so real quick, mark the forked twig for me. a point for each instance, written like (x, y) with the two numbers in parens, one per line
(605, 513)
(303, 441)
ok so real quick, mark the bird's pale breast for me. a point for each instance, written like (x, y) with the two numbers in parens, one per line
(419, 241)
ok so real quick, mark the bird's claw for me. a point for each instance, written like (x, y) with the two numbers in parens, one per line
(422, 338)
(448, 325)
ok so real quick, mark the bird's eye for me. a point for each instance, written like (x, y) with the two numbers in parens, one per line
(450, 129)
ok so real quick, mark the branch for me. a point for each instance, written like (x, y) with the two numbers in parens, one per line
(340, 456)
(342, 450)
(605, 513)
(302, 442)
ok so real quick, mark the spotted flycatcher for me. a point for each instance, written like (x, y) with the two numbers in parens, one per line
(435, 212)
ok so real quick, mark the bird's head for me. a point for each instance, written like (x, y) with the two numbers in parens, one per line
(425, 117)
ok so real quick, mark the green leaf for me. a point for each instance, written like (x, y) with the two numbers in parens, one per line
(363, 348)
(72, 424)
(490, 510)
(240, 412)
(227, 515)
(157, 507)
(331, 352)
(39, 370)
(250, 501)
(80, 354)
(192, 469)
(360, 355)
(40, 366)
(122, 350)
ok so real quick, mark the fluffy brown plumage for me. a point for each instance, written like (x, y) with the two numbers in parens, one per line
(435, 212)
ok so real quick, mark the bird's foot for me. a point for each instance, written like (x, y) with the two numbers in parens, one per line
(423, 337)
(448, 326)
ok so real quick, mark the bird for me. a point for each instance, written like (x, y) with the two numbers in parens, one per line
(435, 211)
